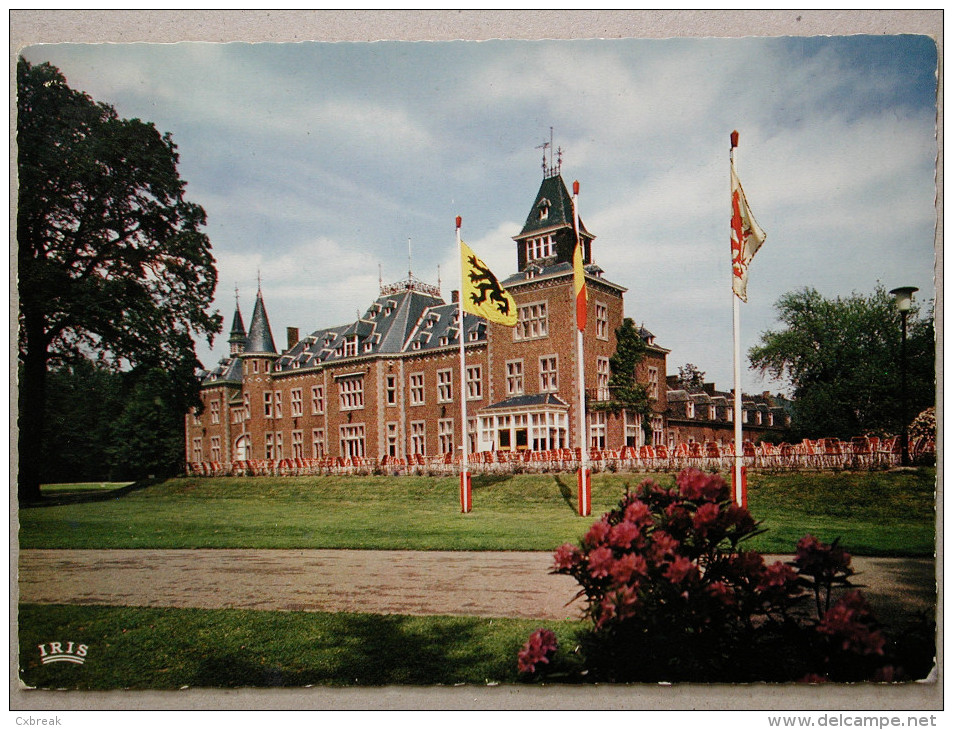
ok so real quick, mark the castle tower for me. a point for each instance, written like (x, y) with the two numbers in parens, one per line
(547, 237)
(236, 339)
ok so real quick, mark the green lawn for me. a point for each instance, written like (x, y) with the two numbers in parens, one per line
(879, 513)
(152, 648)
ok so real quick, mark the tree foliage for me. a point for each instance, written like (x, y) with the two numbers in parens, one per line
(625, 392)
(112, 263)
(843, 358)
(690, 376)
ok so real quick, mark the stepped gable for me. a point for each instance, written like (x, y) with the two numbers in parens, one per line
(439, 327)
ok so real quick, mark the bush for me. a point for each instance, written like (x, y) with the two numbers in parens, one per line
(671, 596)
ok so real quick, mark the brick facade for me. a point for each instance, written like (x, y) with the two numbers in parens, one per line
(389, 385)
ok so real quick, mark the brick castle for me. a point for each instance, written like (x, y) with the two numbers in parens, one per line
(387, 386)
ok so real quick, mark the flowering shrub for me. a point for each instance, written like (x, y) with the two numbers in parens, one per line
(671, 596)
(539, 649)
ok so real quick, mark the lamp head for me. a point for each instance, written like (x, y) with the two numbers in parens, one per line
(903, 297)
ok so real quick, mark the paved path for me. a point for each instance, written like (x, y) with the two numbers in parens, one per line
(490, 584)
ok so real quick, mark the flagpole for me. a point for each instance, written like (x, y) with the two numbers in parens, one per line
(738, 473)
(466, 487)
(584, 478)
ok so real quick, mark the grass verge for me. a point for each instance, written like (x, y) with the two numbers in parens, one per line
(152, 648)
(874, 513)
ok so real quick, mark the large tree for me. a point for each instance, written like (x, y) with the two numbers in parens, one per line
(842, 357)
(112, 263)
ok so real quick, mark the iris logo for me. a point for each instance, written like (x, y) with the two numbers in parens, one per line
(54, 652)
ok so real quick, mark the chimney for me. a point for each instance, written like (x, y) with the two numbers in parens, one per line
(454, 296)
(292, 337)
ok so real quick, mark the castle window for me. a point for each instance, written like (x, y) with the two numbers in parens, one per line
(214, 411)
(540, 248)
(317, 443)
(351, 393)
(418, 437)
(392, 440)
(269, 446)
(417, 389)
(532, 322)
(215, 448)
(653, 383)
(268, 400)
(602, 378)
(548, 380)
(445, 435)
(690, 409)
(247, 404)
(597, 430)
(197, 449)
(602, 321)
(474, 382)
(277, 404)
(444, 386)
(712, 413)
(317, 400)
(657, 431)
(633, 428)
(297, 404)
(350, 346)
(352, 441)
(514, 377)
(297, 444)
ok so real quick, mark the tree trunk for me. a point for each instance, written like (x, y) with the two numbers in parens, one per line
(32, 407)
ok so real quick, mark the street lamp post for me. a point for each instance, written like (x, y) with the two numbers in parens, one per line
(903, 297)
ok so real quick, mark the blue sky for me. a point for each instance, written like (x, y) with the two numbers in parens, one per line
(315, 163)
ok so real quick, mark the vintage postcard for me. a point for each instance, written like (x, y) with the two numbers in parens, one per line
(549, 369)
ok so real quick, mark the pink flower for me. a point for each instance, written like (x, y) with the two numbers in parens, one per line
(681, 569)
(739, 518)
(663, 546)
(538, 649)
(679, 517)
(627, 566)
(695, 485)
(638, 513)
(600, 561)
(566, 557)
(722, 592)
(778, 576)
(597, 533)
(849, 621)
(706, 516)
(820, 560)
(623, 534)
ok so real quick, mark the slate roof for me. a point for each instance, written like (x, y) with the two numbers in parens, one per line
(259, 331)
(528, 401)
(554, 196)
(238, 327)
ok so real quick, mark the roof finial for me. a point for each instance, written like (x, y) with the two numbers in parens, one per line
(410, 268)
(544, 146)
(236, 295)
(438, 277)
(259, 281)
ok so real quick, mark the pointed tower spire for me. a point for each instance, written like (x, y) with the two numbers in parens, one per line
(236, 339)
(259, 339)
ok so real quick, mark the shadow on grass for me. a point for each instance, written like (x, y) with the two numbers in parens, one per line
(58, 500)
(378, 650)
(566, 491)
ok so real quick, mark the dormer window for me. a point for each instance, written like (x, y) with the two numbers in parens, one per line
(543, 207)
(350, 346)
